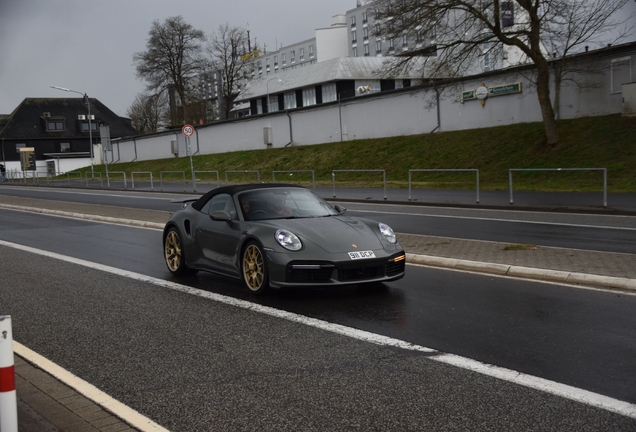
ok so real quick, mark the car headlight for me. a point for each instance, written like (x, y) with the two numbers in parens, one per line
(387, 232)
(288, 240)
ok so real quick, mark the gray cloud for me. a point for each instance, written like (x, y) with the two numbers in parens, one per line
(87, 45)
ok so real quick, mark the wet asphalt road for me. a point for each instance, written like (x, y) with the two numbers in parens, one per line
(610, 233)
(583, 338)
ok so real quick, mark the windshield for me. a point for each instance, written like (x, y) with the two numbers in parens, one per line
(280, 203)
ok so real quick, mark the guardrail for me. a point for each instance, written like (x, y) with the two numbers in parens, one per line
(115, 172)
(313, 177)
(476, 171)
(333, 178)
(604, 170)
(132, 178)
(218, 182)
(93, 174)
(161, 173)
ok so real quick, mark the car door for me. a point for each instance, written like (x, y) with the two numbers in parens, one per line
(219, 239)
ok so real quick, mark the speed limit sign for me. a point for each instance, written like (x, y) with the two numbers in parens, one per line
(187, 130)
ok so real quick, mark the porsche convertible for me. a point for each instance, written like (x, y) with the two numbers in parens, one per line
(279, 236)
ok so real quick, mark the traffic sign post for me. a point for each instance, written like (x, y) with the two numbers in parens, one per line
(188, 131)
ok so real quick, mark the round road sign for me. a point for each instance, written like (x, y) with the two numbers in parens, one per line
(188, 130)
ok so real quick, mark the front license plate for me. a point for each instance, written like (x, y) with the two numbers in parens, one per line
(361, 255)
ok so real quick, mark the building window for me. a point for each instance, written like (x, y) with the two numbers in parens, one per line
(302, 54)
(621, 73)
(309, 96)
(365, 33)
(284, 58)
(378, 47)
(259, 106)
(55, 125)
(486, 53)
(366, 50)
(275, 62)
(404, 41)
(354, 36)
(292, 56)
(311, 51)
(65, 147)
(84, 126)
(290, 100)
(373, 85)
(354, 52)
(353, 21)
(329, 93)
(273, 104)
(391, 45)
(365, 17)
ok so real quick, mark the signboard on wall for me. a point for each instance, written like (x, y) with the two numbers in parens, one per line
(500, 90)
(27, 158)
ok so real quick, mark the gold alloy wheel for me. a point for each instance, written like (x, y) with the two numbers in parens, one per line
(173, 251)
(253, 267)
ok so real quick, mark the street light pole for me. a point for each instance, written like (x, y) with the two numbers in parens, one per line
(249, 44)
(272, 79)
(90, 126)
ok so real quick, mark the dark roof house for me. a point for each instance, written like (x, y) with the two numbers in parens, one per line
(58, 127)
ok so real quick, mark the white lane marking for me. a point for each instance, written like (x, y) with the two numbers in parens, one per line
(91, 392)
(496, 220)
(547, 386)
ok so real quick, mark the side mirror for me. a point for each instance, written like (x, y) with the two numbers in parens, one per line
(220, 215)
(340, 209)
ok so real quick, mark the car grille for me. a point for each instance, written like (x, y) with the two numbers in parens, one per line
(394, 268)
(361, 273)
(310, 275)
(323, 272)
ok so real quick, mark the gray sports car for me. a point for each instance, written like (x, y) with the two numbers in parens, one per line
(279, 236)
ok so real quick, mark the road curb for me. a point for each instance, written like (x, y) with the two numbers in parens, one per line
(524, 272)
(583, 279)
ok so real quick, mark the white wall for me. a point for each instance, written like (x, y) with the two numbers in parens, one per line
(383, 115)
(332, 42)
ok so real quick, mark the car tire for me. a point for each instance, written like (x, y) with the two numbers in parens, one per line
(174, 253)
(254, 268)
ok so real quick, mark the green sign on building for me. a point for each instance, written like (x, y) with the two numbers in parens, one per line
(494, 91)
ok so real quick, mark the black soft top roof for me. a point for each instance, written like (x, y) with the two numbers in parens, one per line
(234, 189)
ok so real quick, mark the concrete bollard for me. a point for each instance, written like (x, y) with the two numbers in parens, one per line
(8, 399)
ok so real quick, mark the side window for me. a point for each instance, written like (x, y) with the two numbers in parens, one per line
(220, 202)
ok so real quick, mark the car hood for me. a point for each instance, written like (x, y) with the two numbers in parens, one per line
(334, 233)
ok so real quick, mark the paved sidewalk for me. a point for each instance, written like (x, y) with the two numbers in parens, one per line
(48, 405)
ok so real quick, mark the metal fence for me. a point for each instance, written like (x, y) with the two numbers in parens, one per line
(132, 178)
(604, 170)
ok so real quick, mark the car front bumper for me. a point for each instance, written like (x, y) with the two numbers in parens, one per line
(286, 272)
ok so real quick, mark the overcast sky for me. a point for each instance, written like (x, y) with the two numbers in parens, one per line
(87, 45)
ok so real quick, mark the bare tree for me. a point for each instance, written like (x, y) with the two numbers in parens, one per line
(149, 113)
(457, 35)
(230, 58)
(172, 60)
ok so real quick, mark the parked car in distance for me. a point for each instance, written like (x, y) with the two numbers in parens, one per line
(277, 236)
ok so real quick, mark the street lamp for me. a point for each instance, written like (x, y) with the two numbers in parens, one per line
(249, 44)
(90, 126)
(271, 79)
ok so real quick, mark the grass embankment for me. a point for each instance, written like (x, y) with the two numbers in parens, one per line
(593, 142)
